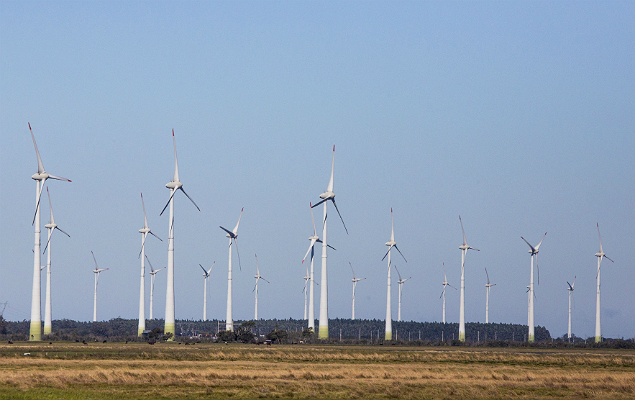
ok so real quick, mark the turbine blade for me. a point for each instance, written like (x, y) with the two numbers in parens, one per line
(235, 231)
(264, 280)
(328, 245)
(330, 187)
(47, 244)
(487, 276)
(145, 219)
(204, 271)
(231, 234)
(210, 268)
(188, 196)
(176, 161)
(50, 205)
(168, 203)
(389, 248)
(538, 268)
(239, 266)
(349, 263)
(462, 230)
(532, 247)
(152, 233)
(318, 203)
(312, 219)
(37, 205)
(543, 238)
(397, 271)
(404, 258)
(94, 259)
(310, 247)
(452, 287)
(257, 269)
(605, 256)
(443, 291)
(143, 244)
(338, 212)
(59, 178)
(60, 229)
(149, 263)
(40, 166)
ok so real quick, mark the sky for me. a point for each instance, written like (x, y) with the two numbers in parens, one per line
(517, 116)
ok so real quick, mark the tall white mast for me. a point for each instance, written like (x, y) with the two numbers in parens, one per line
(35, 332)
(464, 248)
(97, 271)
(232, 235)
(142, 255)
(355, 280)
(391, 243)
(533, 251)
(600, 254)
(570, 289)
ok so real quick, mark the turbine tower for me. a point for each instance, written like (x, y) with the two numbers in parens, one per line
(400, 282)
(570, 289)
(324, 313)
(153, 274)
(142, 294)
(464, 248)
(600, 254)
(97, 271)
(390, 245)
(174, 185)
(355, 280)
(307, 277)
(314, 239)
(258, 277)
(488, 286)
(40, 178)
(206, 277)
(233, 236)
(445, 283)
(534, 253)
(51, 226)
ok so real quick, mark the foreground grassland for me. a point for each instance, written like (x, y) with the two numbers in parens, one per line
(167, 371)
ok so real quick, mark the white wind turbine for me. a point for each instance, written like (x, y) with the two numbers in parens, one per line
(390, 245)
(206, 277)
(51, 226)
(233, 236)
(142, 294)
(314, 239)
(445, 283)
(307, 277)
(174, 185)
(97, 271)
(153, 274)
(324, 313)
(600, 254)
(570, 289)
(258, 277)
(400, 282)
(40, 178)
(488, 286)
(355, 280)
(534, 253)
(464, 248)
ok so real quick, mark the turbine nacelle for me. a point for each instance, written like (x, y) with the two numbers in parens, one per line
(144, 230)
(173, 185)
(51, 225)
(326, 196)
(391, 243)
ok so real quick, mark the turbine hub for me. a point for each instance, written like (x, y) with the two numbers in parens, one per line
(40, 177)
(50, 226)
(173, 185)
(327, 195)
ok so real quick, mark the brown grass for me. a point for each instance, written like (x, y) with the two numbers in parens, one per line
(317, 372)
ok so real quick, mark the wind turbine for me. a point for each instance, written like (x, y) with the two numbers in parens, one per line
(97, 271)
(400, 282)
(390, 245)
(314, 239)
(307, 277)
(600, 254)
(51, 226)
(445, 283)
(464, 248)
(355, 280)
(488, 286)
(570, 289)
(534, 253)
(153, 274)
(258, 277)
(174, 185)
(233, 236)
(206, 277)
(142, 294)
(36, 311)
(324, 313)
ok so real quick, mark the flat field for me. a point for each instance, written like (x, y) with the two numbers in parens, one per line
(169, 371)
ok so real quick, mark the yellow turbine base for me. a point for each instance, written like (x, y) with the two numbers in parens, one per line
(598, 339)
(388, 336)
(462, 336)
(323, 332)
(531, 338)
(170, 328)
(140, 331)
(47, 329)
(36, 331)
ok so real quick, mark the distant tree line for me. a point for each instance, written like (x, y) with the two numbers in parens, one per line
(346, 331)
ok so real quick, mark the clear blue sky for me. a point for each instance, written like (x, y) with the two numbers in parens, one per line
(519, 116)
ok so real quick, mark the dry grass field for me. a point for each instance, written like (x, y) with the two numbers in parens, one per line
(167, 371)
